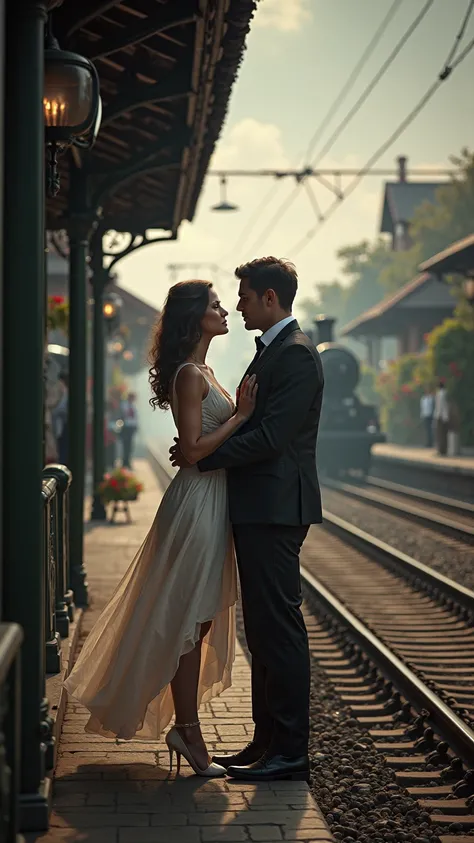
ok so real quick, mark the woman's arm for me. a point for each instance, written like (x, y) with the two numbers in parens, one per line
(190, 390)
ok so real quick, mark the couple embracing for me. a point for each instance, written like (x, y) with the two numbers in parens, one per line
(246, 490)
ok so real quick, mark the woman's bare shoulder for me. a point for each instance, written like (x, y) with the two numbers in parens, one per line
(189, 379)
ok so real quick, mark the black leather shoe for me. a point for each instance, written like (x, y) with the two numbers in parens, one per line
(251, 753)
(272, 768)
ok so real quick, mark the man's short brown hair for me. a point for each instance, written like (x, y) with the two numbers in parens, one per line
(271, 274)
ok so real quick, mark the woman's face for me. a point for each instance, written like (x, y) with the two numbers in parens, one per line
(214, 321)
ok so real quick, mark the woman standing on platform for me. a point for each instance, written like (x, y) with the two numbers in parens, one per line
(165, 642)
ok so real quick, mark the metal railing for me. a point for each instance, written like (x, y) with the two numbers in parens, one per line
(59, 605)
(11, 636)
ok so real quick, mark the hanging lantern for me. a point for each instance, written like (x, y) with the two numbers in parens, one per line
(71, 104)
(224, 205)
(111, 310)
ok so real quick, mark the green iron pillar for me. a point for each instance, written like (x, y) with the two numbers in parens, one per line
(79, 226)
(23, 354)
(99, 278)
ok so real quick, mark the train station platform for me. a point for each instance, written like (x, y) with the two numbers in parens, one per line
(425, 469)
(121, 792)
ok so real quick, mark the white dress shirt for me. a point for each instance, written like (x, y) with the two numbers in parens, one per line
(427, 406)
(273, 332)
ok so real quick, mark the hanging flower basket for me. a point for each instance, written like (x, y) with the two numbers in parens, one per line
(119, 487)
(58, 314)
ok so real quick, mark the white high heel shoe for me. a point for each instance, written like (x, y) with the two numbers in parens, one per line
(176, 745)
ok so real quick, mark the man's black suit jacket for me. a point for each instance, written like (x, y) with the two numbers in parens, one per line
(271, 460)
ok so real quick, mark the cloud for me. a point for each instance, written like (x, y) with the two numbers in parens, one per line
(283, 15)
(259, 144)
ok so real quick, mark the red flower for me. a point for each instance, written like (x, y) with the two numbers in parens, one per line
(406, 389)
(58, 299)
(114, 483)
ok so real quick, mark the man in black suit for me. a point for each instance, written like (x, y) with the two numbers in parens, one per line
(273, 498)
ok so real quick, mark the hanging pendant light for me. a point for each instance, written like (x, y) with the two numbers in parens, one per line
(224, 205)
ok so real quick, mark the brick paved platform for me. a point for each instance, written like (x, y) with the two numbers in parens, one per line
(108, 792)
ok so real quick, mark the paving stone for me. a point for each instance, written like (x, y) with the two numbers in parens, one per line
(227, 834)
(108, 791)
(264, 832)
(95, 819)
(159, 835)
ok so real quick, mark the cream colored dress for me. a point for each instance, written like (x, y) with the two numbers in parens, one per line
(183, 575)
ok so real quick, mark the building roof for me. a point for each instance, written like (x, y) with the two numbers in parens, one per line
(402, 198)
(456, 259)
(425, 292)
(136, 308)
(166, 70)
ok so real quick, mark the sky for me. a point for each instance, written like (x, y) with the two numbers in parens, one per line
(299, 54)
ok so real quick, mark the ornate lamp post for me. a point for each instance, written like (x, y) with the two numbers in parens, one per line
(111, 309)
(110, 315)
(72, 106)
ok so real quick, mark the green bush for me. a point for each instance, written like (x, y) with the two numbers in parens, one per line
(451, 358)
(400, 388)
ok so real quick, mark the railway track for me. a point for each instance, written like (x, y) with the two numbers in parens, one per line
(397, 640)
(445, 515)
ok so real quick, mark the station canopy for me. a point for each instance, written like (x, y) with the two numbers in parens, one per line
(166, 71)
(457, 259)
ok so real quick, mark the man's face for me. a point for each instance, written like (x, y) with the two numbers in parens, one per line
(254, 309)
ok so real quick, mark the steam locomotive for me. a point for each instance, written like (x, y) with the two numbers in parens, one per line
(348, 427)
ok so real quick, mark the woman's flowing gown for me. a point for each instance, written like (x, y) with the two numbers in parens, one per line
(183, 575)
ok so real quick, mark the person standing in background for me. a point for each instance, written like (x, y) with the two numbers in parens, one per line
(110, 433)
(441, 416)
(129, 429)
(427, 405)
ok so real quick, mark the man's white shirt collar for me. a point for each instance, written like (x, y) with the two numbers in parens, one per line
(273, 332)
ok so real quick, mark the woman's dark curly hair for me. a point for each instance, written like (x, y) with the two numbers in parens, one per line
(176, 336)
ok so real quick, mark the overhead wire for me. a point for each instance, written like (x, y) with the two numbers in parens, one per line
(353, 77)
(248, 228)
(372, 84)
(442, 76)
(286, 205)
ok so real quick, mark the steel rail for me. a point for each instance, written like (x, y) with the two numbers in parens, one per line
(434, 520)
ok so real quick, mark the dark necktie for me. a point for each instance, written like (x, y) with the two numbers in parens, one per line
(260, 346)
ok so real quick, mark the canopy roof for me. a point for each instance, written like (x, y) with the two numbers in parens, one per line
(424, 296)
(166, 71)
(456, 259)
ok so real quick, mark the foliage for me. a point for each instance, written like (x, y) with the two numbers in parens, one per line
(450, 357)
(58, 314)
(120, 485)
(400, 388)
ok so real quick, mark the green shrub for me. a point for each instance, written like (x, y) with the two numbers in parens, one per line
(451, 358)
(400, 389)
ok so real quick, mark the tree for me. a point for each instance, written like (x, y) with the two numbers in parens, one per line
(329, 299)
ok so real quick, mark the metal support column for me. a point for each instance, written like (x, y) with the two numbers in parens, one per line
(79, 226)
(99, 280)
(23, 350)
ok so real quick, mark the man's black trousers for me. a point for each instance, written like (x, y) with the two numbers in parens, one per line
(268, 560)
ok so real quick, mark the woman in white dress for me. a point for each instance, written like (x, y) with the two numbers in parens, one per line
(165, 642)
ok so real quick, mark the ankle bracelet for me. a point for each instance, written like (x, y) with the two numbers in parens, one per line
(187, 725)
